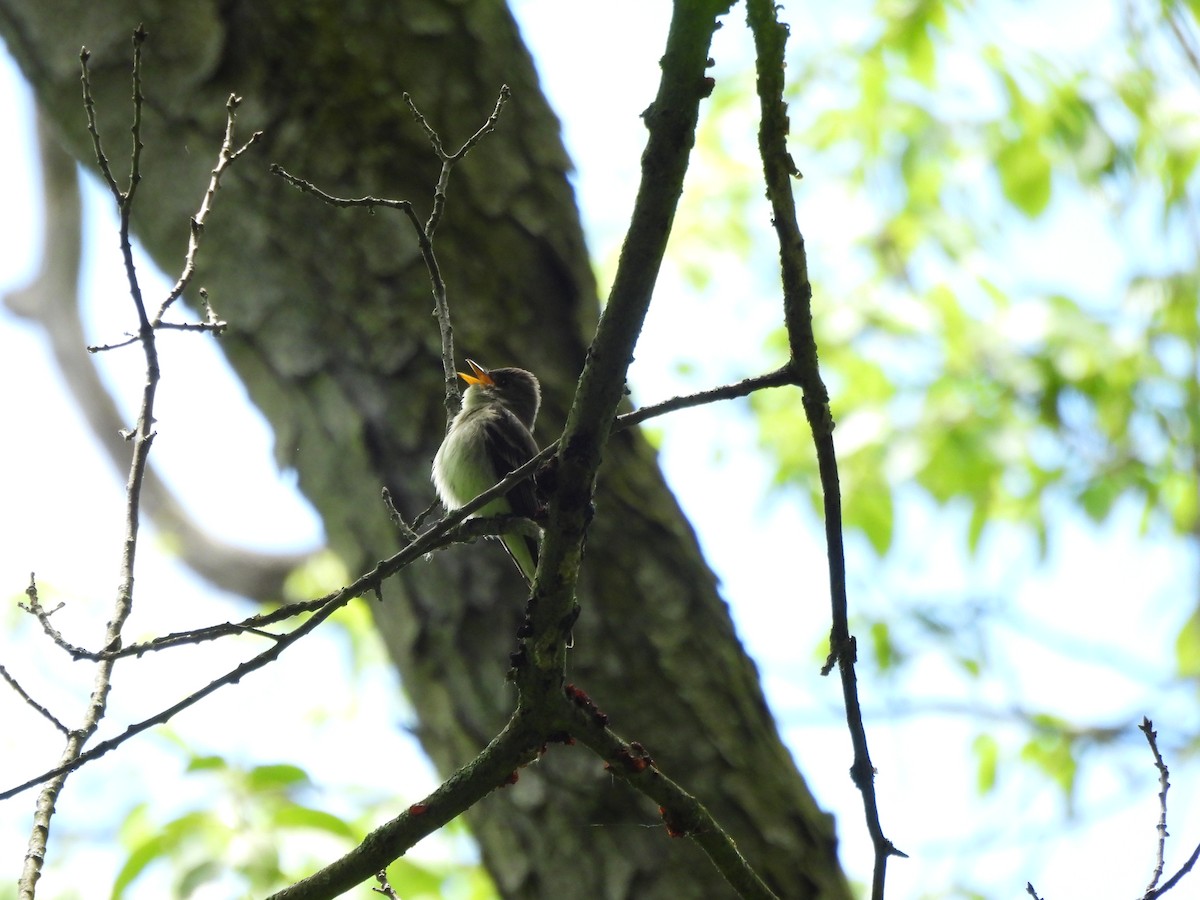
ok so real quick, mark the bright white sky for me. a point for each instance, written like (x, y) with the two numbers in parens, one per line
(62, 517)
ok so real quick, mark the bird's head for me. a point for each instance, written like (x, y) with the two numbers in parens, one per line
(516, 390)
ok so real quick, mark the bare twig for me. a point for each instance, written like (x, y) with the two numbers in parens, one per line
(225, 158)
(24, 695)
(35, 608)
(1152, 890)
(743, 388)
(424, 232)
(1164, 784)
(449, 529)
(141, 437)
(385, 886)
(770, 37)
(57, 774)
(425, 245)
(1177, 877)
(449, 159)
(51, 300)
(408, 532)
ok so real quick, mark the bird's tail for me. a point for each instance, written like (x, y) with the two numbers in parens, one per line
(524, 552)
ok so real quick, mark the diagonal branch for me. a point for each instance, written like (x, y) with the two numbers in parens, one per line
(24, 695)
(671, 121)
(493, 768)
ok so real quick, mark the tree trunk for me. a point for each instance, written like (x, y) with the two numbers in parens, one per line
(330, 329)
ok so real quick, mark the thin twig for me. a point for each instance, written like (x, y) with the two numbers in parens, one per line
(447, 530)
(1152, 891)
(1147, 728)
(424, 232)
(104, 348)
(1177, 877)
(425, 245)
(35, 608)
(449, 159)
(406, 531)
(203, 327)
(24, 695)
(143, 437)
(225, 158)
(770, 38)
(89, 106)
(745, 387)
(385, 886)
(57, 774)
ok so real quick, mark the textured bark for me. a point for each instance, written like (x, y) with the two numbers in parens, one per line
(330, 329)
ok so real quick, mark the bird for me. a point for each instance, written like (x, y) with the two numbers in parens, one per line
(491, 436)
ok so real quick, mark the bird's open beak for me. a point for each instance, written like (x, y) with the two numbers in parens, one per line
(481, 376)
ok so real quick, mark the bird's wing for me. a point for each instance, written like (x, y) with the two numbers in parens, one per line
(510, 445)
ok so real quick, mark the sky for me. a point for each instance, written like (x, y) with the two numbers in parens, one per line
(1100, 588)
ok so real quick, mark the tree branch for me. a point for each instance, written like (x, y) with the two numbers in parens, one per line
(1147, 728)
(142, 438)
(24, 695)
(493, 768)
(424, 231)
(671, 121)
(770, 38)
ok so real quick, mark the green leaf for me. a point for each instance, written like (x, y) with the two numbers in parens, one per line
(206, 764)
(1178, 493)
(1187, 647)
(872, 510)
(1025, 175)
(1052, 752)
(413, 880)
(987, 756)
(195, 877)
(882, 647)
(276, 776)
(294, 816)
(138, 860)
(1098, 496)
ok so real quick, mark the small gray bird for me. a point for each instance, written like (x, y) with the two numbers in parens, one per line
(490, 437)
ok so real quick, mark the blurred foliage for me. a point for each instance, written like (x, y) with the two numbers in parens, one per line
(1013, 334)
(993, 372)
(234, 840)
